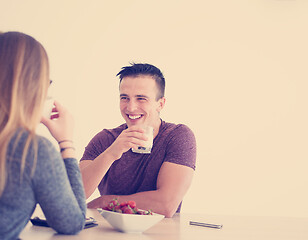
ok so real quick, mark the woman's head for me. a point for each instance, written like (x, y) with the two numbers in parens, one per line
(24, 80)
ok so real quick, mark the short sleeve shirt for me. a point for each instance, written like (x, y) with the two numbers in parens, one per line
(135, 172)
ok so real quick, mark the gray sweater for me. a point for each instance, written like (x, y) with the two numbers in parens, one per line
(56, 186)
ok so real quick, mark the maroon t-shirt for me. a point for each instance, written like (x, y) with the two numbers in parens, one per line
(135, 172)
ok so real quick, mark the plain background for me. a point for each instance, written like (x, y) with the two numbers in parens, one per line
(236, 74)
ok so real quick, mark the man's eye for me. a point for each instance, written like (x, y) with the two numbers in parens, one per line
(123, 98)
(141, 99)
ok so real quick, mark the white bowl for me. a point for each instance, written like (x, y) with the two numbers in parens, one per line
(130, 223)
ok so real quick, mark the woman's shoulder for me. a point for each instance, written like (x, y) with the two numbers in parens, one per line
(22, 137)
(38, 149)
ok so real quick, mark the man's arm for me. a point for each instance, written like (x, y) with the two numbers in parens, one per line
(93, 171)
(172, 184)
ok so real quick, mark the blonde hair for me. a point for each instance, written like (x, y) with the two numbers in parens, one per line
(24, 80)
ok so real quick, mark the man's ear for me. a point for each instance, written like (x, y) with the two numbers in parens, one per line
(161, 104)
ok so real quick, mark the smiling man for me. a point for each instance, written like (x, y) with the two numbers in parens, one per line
(156, 181)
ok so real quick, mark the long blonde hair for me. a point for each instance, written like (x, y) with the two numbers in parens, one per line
(24, 80)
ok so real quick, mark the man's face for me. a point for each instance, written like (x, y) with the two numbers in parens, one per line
(138, 102)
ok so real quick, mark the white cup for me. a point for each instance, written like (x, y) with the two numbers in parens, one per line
(48, 106)
(149, 143)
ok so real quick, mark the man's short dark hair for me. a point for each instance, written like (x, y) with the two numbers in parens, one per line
(137, 69)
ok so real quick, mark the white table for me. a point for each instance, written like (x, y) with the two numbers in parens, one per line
(234, 227)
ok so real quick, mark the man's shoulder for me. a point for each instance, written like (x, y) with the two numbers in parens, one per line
(118, 129)
(113, 132)
(179, 127)
(176, 130)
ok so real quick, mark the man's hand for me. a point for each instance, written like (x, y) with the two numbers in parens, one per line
(131, 137)
(97, 203)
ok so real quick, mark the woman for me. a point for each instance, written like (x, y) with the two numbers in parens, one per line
(32, 170)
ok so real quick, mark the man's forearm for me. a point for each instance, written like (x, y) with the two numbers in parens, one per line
(172, 183)
(94, 171)
(156, 201)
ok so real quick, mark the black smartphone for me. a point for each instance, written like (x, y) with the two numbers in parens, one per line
(36, 221)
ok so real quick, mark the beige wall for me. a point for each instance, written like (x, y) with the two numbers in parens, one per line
(236, 74)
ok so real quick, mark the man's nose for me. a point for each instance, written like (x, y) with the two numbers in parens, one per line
(132, 106)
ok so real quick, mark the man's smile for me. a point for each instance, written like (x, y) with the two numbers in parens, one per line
(133, 117)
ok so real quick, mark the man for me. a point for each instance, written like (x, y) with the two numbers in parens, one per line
(156, 181)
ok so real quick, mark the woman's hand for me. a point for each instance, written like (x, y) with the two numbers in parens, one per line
(61, 124)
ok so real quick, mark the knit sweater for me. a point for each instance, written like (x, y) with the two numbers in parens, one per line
(56, 185)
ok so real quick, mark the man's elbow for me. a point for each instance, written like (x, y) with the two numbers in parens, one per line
(169, 208)
(169, 214)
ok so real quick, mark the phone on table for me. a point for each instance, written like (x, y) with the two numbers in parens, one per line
(36, 221)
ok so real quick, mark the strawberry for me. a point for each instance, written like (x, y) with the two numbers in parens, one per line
(123, 204)
(135, 210)
(140, 212)
(112, 204)
(127, 210)
(149, 212)
(117, 207)
(132, 204)
(145, 212)
(128, 207)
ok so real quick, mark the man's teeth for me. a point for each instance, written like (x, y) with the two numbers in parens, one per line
(134, 117)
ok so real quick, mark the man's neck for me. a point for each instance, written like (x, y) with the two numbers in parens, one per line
(157, 127)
